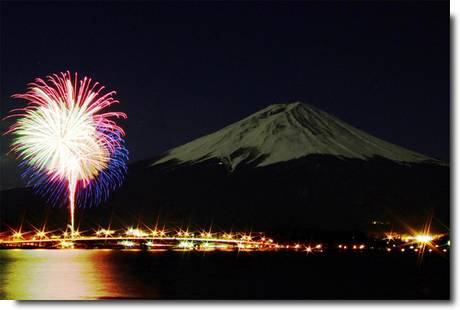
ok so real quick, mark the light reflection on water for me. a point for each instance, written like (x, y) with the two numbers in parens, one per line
(60, 274)
(96, 274)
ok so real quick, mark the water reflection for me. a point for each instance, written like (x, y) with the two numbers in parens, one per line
(95, 274)
(63, 275)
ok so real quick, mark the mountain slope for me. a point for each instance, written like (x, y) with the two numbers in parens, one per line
(284, 132)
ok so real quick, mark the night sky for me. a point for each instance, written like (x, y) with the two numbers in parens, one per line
(183, 70)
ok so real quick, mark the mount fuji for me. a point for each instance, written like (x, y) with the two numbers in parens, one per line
(293, 165)
(285, 132)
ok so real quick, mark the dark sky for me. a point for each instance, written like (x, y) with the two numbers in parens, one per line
(182, 70)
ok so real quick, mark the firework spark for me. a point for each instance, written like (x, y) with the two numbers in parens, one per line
(66, 141)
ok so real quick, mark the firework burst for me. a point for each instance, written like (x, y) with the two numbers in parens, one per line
(69, 145)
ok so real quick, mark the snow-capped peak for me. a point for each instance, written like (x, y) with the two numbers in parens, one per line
(283, 132)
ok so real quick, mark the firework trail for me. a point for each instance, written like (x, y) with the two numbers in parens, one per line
(68, 144)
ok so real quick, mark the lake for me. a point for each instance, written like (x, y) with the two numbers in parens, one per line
(128, 274)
